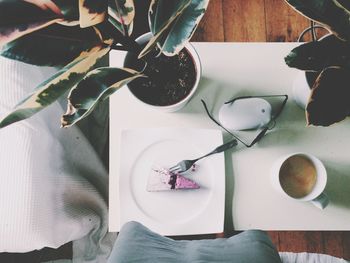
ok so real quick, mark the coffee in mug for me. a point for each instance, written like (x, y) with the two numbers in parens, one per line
(298, 176)
(301, 177)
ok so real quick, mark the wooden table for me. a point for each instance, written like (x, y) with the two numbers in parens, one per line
(231, 69)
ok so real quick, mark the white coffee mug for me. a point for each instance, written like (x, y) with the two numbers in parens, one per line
(316, 195)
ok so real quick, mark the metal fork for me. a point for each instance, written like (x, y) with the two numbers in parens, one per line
(184, 165)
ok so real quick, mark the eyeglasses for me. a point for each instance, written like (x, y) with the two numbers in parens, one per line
(265, 128)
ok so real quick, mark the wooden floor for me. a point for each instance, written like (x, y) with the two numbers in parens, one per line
(335, 243)
(236, 21)
(241, 21)
(250, 20)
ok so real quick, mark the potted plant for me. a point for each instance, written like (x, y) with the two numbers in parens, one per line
(172, 79)
(328, 59)
(75, 35)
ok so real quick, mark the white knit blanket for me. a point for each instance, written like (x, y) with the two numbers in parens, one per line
(288, 257)
(53, 184)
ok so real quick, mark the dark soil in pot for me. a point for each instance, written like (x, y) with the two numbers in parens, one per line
(170, 79)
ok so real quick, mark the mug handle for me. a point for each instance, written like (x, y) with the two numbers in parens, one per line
(321, 201)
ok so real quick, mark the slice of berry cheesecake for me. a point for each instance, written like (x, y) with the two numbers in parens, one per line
(163, 180)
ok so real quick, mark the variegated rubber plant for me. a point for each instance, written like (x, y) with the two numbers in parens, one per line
(74, 35)
(329, 100)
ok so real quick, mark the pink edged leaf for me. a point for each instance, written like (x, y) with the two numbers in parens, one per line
(92, 12)
(121, 15)
(46, 5)
(56, 45)
(330, 96)
(96, 86)
(18, 18)
(50, 90)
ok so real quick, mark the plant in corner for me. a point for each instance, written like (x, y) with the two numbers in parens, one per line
(329, 100)
(74, 35)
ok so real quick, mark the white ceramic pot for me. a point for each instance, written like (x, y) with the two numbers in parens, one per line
(179, 105)
(302, 88)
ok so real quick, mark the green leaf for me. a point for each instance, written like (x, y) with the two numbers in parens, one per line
(98, 85)
(344, 3)
(162, 23)
(173, 24)
(121, 15)
(69, 9)
(129, 28)
(329, 99)
(50, 90)
(56, 45)
(331, 13)
(160, 12)
(315, 56)
(18, 18)
(92, 12)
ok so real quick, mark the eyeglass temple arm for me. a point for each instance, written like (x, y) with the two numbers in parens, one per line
(262, 133)
(248, 97)
(282, 106)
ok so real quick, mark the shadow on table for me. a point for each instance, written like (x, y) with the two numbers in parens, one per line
(214, 93)
(338, 183)
(209, 90)
(229, 228)
(229, 188)
(280, 137)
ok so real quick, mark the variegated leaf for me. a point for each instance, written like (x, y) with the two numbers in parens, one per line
(160, 12)
(161, 19)
(173, 24)
(344, 3)
(317, 55)
(69, 9)
(121, 15)
(53, 46)
(120, 27)
(329, 99)
(122, 10)
(50, 90)
(43, 4)
(331, 13)
(98, 85)
(18, 18)
(92, 12)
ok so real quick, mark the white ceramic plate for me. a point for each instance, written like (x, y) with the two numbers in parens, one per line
(178, 212)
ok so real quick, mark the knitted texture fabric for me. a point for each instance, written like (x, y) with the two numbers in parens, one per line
(54, 187)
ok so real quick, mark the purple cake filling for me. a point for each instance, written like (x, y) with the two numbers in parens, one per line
(172, 181)
(162, 180)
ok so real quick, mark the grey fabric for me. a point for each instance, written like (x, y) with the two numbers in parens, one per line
(136, 244)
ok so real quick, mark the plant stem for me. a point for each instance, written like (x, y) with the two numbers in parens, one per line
(313, 33)
(129, 43)
(119, 47)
